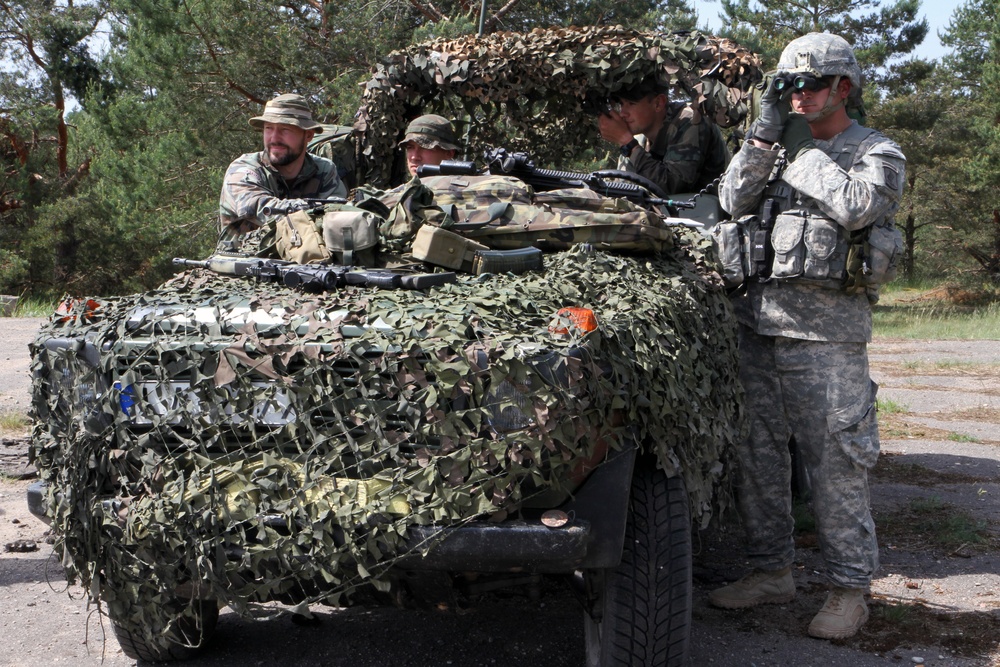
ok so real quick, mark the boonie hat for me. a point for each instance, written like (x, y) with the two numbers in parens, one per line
(431, 131)
(287, 109)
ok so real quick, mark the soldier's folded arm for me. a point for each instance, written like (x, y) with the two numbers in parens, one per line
(857, 197)
(253, 202)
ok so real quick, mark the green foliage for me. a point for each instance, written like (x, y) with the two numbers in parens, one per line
(447, 29)
(879, 31)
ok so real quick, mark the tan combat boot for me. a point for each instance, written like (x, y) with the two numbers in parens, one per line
(758, 587)
(842, 615)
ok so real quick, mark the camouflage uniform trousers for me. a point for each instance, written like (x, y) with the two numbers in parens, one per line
(821, 393)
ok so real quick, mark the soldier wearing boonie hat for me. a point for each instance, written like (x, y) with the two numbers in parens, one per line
(260, 187)
(429, 139)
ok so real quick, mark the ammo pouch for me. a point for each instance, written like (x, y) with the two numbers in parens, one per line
(743, 246)
(810, 246)
(873, 256)
(351, 235)
(298, 239)
(730, 240)
(339, 233)
(444, 248)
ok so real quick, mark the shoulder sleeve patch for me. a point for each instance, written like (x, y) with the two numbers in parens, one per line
(887, 149)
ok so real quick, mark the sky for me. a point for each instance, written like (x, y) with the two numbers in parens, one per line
(937, 13)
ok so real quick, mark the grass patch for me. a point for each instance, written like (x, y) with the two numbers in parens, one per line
(942, 312)
(893, 468)
(11, 422)
(894, 613)
(895, 625)
(34, 307)
(931, 521)
(890, 407)
(962, 437)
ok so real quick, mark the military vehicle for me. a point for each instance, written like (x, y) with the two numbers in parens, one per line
(318, 434)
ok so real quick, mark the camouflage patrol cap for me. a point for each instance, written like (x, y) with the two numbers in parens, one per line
(287, 109)
(822, 54)
(431, 131)
(642, 90)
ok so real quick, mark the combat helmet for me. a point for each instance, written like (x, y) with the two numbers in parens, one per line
(824, 54)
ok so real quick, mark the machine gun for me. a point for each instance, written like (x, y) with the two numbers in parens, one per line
(315, 277)
(609, 183)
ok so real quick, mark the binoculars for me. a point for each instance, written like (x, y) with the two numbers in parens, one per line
(799, 82)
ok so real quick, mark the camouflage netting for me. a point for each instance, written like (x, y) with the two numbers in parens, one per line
(527, 91)
(350, 434)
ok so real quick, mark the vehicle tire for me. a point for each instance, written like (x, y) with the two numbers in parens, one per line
(642, 615)
(189, 634)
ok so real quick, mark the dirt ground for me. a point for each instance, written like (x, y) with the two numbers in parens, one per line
(936, 600)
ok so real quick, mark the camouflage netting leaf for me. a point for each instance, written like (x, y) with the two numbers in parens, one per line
(260, 440)
(527, 90)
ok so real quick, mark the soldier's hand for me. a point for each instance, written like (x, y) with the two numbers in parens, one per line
(613, 128)
(774, 109)
(797, 136)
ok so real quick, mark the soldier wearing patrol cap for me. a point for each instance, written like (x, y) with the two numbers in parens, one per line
(664, 141)
(259, 187)
(818, 192)
(429, 139)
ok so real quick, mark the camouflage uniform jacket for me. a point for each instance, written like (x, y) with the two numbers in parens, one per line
(685, 156)
(253, 191)
(856, 179)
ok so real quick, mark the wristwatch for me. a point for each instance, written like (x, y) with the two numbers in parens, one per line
(629, 147)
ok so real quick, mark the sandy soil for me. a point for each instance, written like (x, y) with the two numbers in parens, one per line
(938, 605)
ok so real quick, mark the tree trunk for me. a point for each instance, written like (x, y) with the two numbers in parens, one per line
(909, 241)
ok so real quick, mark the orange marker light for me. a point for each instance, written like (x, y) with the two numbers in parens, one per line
(582, 318)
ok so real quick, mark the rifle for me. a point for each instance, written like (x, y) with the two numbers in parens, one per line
(520, 165)
(316, 277)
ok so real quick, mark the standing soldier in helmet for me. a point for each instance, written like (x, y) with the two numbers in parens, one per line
(818, 193)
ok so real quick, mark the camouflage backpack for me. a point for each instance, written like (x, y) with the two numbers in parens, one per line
(504, 213)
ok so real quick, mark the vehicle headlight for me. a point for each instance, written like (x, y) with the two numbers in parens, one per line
(77, 384)
(508, 406)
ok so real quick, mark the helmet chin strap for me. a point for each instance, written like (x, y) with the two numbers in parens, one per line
(829, 107)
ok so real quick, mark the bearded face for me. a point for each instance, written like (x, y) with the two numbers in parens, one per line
(284, 144)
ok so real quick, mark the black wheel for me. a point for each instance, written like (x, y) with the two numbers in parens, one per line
(193, 622)
(642, 614)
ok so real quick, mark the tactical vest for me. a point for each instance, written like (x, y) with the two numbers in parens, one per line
(791, 238)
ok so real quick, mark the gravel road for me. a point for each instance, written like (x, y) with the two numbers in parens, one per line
(951, 389)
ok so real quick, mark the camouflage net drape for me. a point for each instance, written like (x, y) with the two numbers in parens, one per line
(384, 426)
(525, 90)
